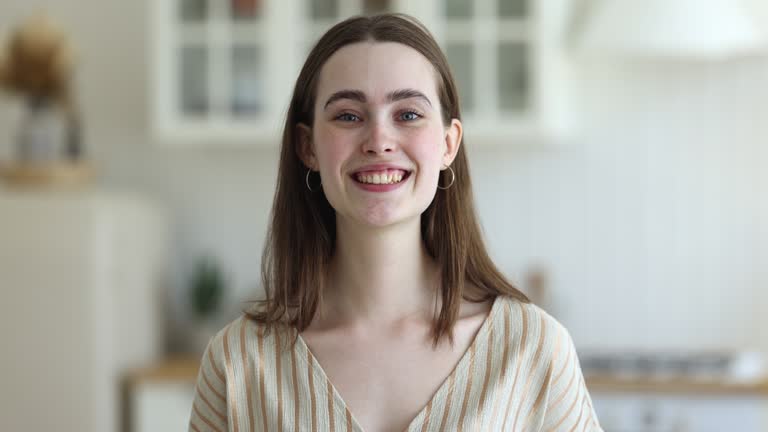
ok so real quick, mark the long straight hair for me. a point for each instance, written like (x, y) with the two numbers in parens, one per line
(301, 238)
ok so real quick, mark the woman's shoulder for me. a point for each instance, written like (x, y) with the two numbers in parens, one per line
(240, 335)
(529, 328)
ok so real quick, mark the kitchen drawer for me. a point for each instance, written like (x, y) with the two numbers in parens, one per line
(627, 412)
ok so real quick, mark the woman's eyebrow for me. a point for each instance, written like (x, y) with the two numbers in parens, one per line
(359, 96)
(407, 94)
(355, 95)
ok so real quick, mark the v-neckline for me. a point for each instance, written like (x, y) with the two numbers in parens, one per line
(462, 364)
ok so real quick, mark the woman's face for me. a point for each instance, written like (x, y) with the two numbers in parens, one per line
(378, 138)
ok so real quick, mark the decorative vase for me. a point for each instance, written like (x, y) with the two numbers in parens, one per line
(43, 133)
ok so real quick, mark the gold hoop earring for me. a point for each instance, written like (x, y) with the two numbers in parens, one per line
(453, 178)
(306, 180)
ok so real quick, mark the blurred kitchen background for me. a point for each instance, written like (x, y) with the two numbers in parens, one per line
(619, 152)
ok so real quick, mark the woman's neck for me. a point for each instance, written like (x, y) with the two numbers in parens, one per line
(380, 276)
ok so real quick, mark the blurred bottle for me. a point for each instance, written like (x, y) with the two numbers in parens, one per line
(537, 286)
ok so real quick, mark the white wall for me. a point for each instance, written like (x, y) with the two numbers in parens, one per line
(656, 219)
(653, 223)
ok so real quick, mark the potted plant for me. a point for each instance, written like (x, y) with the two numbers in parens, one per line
(207, 288)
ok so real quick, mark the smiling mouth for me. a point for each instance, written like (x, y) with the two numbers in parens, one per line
(384, 177)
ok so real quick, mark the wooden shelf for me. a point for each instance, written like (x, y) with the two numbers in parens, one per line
(611, 384)
(47, 174)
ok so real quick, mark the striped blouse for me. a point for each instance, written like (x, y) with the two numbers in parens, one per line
(520, 373)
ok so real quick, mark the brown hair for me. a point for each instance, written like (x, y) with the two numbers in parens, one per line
(301, 238)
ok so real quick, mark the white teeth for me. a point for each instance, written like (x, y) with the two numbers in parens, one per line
(381, 178)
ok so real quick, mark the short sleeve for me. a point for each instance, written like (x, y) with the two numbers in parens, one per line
(209, 409)
(569, 406)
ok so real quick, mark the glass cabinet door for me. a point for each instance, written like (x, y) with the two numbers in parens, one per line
(488, 47)
(219, 70)
(230, 64)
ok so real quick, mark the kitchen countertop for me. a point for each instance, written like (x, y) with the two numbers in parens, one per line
(185, 369)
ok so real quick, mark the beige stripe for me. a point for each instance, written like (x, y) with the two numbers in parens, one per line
(505, 358)
(562, 395)
(578, 420)
(213, 365)
(231, 389)
(547, 380)
(205, 420)
(427, 414)
(558, 345)
(247, 376)
(331, 417)
(296, 398)
(567, 413)
(539, 398)
(447, 409)
(211, 387)
(221, 416)
(262, 379)
(468, 389)
(536, 360)
(194, 428)
(565, 366)
(488, 364)
(279, 364)
(518, 363)
(312, 400)
(507, 313)
(591, 412)
(349, 419)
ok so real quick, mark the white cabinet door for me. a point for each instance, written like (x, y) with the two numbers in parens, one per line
(161, 406)
(632, 412)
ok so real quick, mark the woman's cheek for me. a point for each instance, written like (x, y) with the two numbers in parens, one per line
(331, 148)
(427, 146)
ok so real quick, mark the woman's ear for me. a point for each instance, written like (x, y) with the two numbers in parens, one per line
(453, 134)
(304, 148)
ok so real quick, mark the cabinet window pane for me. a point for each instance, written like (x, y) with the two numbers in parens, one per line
(245, 9)
(458, 8)
(322, 9)
(513, 76)
(513, 8)
(460, 56)
(247, 81)
(372, 7)
(193, 85)
(193, 10)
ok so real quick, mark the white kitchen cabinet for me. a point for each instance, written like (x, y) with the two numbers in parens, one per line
(160, 395)
(628, 412)
(81, 274)
(161, 406)
(224, 70)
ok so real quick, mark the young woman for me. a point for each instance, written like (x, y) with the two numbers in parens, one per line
(384, 311)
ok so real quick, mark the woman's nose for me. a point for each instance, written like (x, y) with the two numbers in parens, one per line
(379, 139)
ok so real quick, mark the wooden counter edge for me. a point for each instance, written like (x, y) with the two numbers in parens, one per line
(611, 384)
(184, 369)
(174, 369)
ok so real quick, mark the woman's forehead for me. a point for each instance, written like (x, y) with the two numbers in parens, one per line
(377, 69)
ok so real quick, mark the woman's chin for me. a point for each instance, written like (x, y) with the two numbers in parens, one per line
(384, 219)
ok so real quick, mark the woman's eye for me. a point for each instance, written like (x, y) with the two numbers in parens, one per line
(347, 117)
(410, 116)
